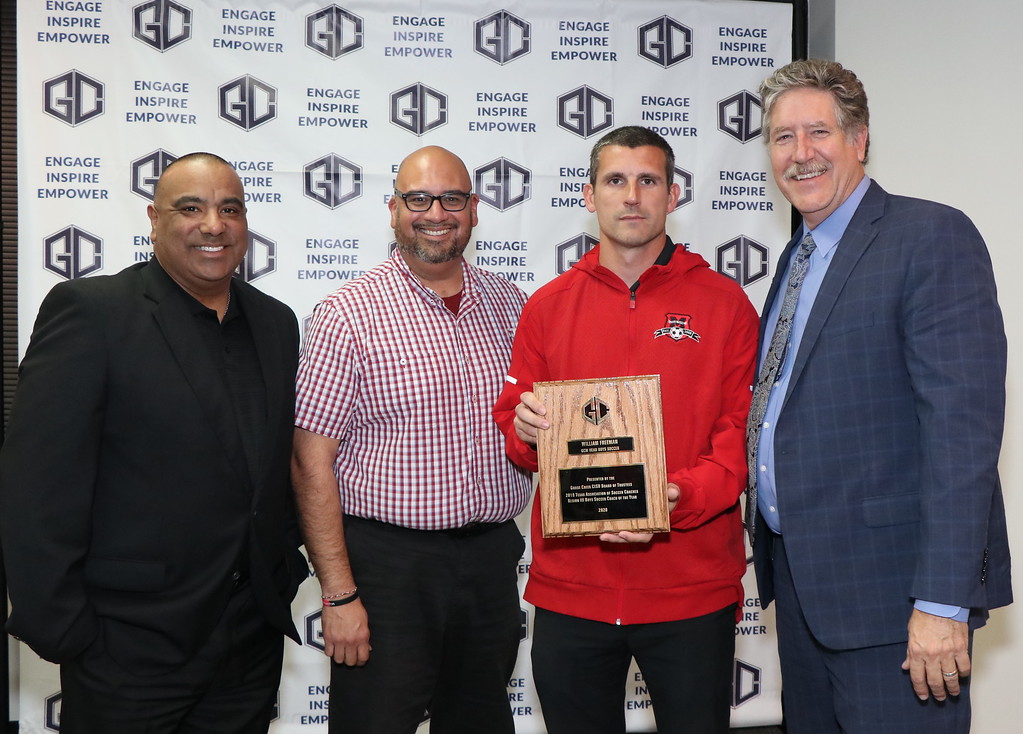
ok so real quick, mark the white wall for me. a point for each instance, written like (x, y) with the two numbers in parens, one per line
(942, 79)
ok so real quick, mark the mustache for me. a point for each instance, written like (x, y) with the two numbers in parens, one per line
(804, 169)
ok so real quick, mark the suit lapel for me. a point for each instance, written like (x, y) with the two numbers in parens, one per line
(856, 239)
(175, 322)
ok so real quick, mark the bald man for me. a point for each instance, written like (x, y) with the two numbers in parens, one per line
(148, 528)
(406, 496)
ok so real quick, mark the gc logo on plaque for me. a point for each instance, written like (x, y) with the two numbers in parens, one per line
(601, 463)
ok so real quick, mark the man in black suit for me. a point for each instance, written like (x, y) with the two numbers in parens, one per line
(145, 509)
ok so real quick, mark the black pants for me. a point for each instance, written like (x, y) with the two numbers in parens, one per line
(580, 669)
(229, 687)
(444, 627)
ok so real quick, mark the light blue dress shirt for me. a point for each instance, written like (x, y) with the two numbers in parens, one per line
(826, 236)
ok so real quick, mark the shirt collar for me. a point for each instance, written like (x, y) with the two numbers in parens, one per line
(830, 231)
(191, 302)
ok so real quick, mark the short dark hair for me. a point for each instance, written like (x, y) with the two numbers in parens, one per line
(633, 136)
(198, 155)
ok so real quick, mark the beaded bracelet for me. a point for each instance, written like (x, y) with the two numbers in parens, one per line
(346, 599)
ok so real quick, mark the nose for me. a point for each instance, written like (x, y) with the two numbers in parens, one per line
(212, 222)
(632, 192)
(804, 148)
(436, 210)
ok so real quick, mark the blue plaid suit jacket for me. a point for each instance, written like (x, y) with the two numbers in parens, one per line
(887, 444)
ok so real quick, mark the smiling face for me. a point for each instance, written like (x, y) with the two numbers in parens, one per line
(631, 196)
(816, 164)
(436, 235)
(200, 233)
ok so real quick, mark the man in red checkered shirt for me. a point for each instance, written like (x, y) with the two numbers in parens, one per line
(406, 495)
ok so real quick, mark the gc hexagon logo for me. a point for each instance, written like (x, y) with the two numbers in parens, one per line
(247, 102)
(684, 179)
(260, 259)
(72, 253)
(419, 109)
(332, 181)
(665, 41)
(740, 116)
(314, 630)
(161, 24)
(571, 251)
(51, 715)
(585, 111)
(502, 37)
(74, 97)
(334, 31)
(745, 682)
(743, 259)
(502, 184)
(146, 171)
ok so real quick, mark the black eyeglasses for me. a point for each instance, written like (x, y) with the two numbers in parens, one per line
(420, 201)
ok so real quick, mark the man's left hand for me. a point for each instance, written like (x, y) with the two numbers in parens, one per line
(938, 647)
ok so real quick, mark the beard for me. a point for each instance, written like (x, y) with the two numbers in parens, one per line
(428, 252)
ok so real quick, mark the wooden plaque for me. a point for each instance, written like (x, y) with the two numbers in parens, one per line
(602, 466)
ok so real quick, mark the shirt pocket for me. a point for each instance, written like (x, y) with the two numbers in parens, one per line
(399, 379)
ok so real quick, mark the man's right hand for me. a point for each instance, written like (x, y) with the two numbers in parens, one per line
(529, 418)
(346, 633)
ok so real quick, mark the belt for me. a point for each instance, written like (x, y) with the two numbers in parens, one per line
(469, 530)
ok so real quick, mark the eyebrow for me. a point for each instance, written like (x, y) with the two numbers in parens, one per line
(811, 123)
(199, 200)
(642, 174)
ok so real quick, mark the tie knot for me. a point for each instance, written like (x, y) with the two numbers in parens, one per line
(808, 245)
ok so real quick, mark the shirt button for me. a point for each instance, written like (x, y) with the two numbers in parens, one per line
(767, 424)
(763, 467)
(772, 509)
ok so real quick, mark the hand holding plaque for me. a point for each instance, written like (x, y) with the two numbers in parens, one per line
(601, 463)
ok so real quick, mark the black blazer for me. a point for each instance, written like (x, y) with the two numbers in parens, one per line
(126, 499)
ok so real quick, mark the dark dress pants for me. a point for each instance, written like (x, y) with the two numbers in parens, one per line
(444, 624)
(229, 687)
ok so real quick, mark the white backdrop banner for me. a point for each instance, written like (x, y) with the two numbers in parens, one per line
(316, 103)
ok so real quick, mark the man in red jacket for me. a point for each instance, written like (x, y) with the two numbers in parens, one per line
(669, 601)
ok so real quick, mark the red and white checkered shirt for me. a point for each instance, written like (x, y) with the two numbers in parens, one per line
(408, 387)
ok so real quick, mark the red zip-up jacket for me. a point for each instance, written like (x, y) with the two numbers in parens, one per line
(698, 331)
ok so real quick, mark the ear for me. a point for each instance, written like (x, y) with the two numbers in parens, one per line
(474, 202)
(674, 191)
(392, 205)
(588, 197)
(153, 216)
(860, 141)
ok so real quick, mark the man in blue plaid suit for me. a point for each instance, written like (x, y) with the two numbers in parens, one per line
(874, 507)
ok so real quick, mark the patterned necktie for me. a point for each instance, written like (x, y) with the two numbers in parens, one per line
(773, 361)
